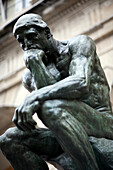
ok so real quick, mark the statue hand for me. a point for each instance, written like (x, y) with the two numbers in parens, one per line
(23, 114)
(32, 57)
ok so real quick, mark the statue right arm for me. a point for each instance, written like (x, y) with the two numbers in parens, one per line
(41, 75)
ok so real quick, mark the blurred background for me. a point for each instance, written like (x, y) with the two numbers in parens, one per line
(65, 18)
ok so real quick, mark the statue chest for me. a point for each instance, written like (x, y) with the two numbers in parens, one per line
(62, 65)
(60, 69)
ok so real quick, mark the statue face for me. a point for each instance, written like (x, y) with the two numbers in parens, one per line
(32, 38)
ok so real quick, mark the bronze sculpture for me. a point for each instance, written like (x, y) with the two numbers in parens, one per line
(69, 93)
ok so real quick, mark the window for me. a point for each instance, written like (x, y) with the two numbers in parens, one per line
(2, 12)
(9, 8)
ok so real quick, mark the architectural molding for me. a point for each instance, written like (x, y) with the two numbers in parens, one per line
(74, 6)
(11, 80)
(98, 26)
(9, 76)
(106, 51)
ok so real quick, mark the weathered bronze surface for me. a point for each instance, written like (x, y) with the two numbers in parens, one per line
(69, 93)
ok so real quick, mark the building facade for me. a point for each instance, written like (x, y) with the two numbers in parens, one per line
(66, 18)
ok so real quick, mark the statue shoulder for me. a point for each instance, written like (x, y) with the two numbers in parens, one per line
(81, 43)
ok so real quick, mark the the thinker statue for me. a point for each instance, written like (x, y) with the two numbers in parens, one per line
(69, 93)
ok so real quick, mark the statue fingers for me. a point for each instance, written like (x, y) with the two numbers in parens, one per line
(20, 123)
(28, 122)
(15, 119)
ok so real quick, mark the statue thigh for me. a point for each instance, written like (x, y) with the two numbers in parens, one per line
(95, 123)
(59, 114)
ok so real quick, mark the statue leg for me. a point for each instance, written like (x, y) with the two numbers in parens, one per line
(25, 149)
(60, 117)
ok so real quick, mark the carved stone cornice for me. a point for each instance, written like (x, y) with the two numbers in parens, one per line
(98, 26)
(11, 80)
(66, 8)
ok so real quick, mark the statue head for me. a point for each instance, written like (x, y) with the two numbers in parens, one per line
(28, 20)
(31, 31)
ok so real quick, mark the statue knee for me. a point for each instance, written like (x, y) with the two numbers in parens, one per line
(49, 107)
(52, 112)
(6, 140)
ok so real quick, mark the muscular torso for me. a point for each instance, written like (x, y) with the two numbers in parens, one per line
(98, 94)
